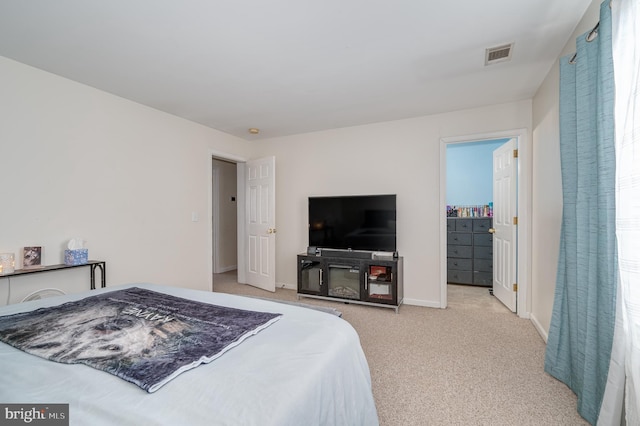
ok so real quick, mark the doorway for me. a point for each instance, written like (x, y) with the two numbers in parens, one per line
(470, 220)
(523, 213)
(218, 180)
(224, 215)
(248, 203)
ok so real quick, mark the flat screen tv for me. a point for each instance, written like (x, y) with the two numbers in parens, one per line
(358, 222)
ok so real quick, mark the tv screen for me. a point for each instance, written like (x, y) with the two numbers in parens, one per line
(359, 222)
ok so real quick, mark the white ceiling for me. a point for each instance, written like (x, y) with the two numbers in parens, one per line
(293, 66)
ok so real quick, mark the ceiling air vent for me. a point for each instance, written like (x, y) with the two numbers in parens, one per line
(498, 54)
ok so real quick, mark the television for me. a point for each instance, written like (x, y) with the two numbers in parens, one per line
(357, 222)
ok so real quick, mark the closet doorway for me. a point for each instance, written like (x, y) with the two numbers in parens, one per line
(233, 229)
(224, 207)
(473, 170)
(470, 222)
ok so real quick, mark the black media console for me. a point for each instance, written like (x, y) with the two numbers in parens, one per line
(362, 277)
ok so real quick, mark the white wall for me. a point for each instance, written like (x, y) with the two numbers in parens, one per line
(125, 177)
(547, 183)
(76, 161)
(400, 157)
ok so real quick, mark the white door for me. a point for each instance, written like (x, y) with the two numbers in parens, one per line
(504, 229)
(261, 223)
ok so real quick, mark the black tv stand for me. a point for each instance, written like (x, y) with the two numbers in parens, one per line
(350, 276)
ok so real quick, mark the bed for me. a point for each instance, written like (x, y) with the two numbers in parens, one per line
(306, 368)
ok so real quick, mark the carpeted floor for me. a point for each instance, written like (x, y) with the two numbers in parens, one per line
(474, 363)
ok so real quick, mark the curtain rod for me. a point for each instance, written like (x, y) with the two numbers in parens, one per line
(590, 37)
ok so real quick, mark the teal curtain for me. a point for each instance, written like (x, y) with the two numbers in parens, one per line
(582, 323)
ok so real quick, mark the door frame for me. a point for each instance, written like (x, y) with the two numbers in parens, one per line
(240, 200)
(215, 216)
(523, 265)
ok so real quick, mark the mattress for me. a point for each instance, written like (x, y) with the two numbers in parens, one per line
(306, 368)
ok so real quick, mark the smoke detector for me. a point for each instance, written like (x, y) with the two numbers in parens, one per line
(498, 54)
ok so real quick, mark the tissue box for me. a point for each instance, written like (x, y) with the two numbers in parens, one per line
(76, 257)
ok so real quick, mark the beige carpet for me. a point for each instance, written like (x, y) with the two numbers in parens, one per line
(474, 363)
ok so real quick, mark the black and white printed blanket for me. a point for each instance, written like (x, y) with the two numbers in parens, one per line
(139, 335)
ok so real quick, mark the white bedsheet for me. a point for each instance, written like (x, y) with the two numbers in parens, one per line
(306, 369)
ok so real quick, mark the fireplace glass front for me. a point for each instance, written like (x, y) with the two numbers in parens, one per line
(344, 281)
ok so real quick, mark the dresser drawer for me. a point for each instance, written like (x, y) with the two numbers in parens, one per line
(483, 265)
(481, 225)
(483, 252)
(451, 225)
(464, 225)
(464, 252)
(483, 278)
(459, 238)
(459, 264)
(459, 277)
(483, 239)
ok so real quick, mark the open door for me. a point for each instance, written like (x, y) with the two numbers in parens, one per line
(260, 221)
(504, 229)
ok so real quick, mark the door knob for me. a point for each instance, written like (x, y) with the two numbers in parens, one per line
(271, 231)
(492, 230)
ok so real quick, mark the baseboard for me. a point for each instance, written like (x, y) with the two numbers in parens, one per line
(227, 269)
(419, 302)
(287, 286)
(413, 302)
(539, 328)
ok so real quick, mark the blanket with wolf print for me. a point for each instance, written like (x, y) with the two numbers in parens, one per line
(142, 336)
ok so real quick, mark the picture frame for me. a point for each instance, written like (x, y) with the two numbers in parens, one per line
(31, 257)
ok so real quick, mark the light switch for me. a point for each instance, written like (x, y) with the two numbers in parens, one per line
(194, 217)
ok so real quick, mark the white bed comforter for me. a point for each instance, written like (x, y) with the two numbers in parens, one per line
(306, 369)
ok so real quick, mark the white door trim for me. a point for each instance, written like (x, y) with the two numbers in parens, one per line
(242, 225)
(215, 218)
(240, 199)
(524, 212)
